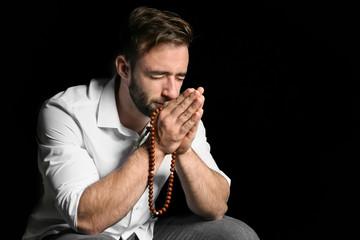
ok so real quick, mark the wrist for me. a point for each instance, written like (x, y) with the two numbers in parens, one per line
(159, 153)
(189, 152)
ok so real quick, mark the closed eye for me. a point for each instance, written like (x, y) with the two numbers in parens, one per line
(156, 76)
(180, 78)
(160, 75)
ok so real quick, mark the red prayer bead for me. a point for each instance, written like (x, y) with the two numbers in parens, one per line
(152, 168)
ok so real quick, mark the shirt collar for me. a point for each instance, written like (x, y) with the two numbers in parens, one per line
(107, 113)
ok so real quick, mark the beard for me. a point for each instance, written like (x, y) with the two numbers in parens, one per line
(140, 98)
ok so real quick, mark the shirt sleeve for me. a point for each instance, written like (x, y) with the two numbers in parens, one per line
(202, 149)
(66, 166)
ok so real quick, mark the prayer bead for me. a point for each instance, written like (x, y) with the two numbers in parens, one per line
(152, 168)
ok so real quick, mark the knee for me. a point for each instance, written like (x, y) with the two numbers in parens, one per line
(231, 228)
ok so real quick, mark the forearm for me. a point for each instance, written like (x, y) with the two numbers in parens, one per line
(206, 191)
(107, 201)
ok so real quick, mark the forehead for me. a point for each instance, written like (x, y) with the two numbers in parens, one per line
(165, 57)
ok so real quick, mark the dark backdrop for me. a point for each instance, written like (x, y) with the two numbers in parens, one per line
(281, 111)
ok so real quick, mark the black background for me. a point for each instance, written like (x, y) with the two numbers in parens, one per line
(281, 110)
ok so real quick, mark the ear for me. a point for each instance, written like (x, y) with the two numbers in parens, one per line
(123, 68)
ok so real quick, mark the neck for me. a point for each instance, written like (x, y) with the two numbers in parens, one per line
(129, 115)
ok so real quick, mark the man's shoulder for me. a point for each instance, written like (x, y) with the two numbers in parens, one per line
(81, 94)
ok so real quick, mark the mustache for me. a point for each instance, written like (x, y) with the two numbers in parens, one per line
(162, 102)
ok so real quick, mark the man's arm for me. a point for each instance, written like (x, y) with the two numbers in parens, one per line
(107, 201)
(206, 191)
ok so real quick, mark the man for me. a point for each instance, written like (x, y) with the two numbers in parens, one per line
(94, 147)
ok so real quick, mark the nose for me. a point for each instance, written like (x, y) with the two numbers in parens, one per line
(170, 90)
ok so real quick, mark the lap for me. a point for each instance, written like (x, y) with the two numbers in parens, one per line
(181, 227)
(194, 227)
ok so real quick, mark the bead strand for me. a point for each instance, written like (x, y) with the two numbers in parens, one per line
(152, 168)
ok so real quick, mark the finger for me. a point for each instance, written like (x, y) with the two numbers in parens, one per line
(191, 125)
(196, 105)
(201, 90)
(203, 101)
(174, 103)
(188, 107)
(193, 130)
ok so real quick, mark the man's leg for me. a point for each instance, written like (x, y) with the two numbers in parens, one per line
(194, 227)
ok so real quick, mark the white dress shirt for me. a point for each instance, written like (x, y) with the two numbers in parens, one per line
(81, 140)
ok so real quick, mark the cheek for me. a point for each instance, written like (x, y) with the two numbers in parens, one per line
(153, 89)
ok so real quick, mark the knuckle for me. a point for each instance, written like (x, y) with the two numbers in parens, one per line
(176, 100)
(166, 122)
(186, 114)
(187, 126)
(188, 91)
(181, 107)
(197, 103)
(168, 126)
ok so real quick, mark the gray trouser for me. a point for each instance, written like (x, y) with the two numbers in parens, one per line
(186, 227)
(194, 227)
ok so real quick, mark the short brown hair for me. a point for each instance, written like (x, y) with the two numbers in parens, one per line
(148, 27)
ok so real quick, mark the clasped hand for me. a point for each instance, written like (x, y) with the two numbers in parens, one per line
(177, 123)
